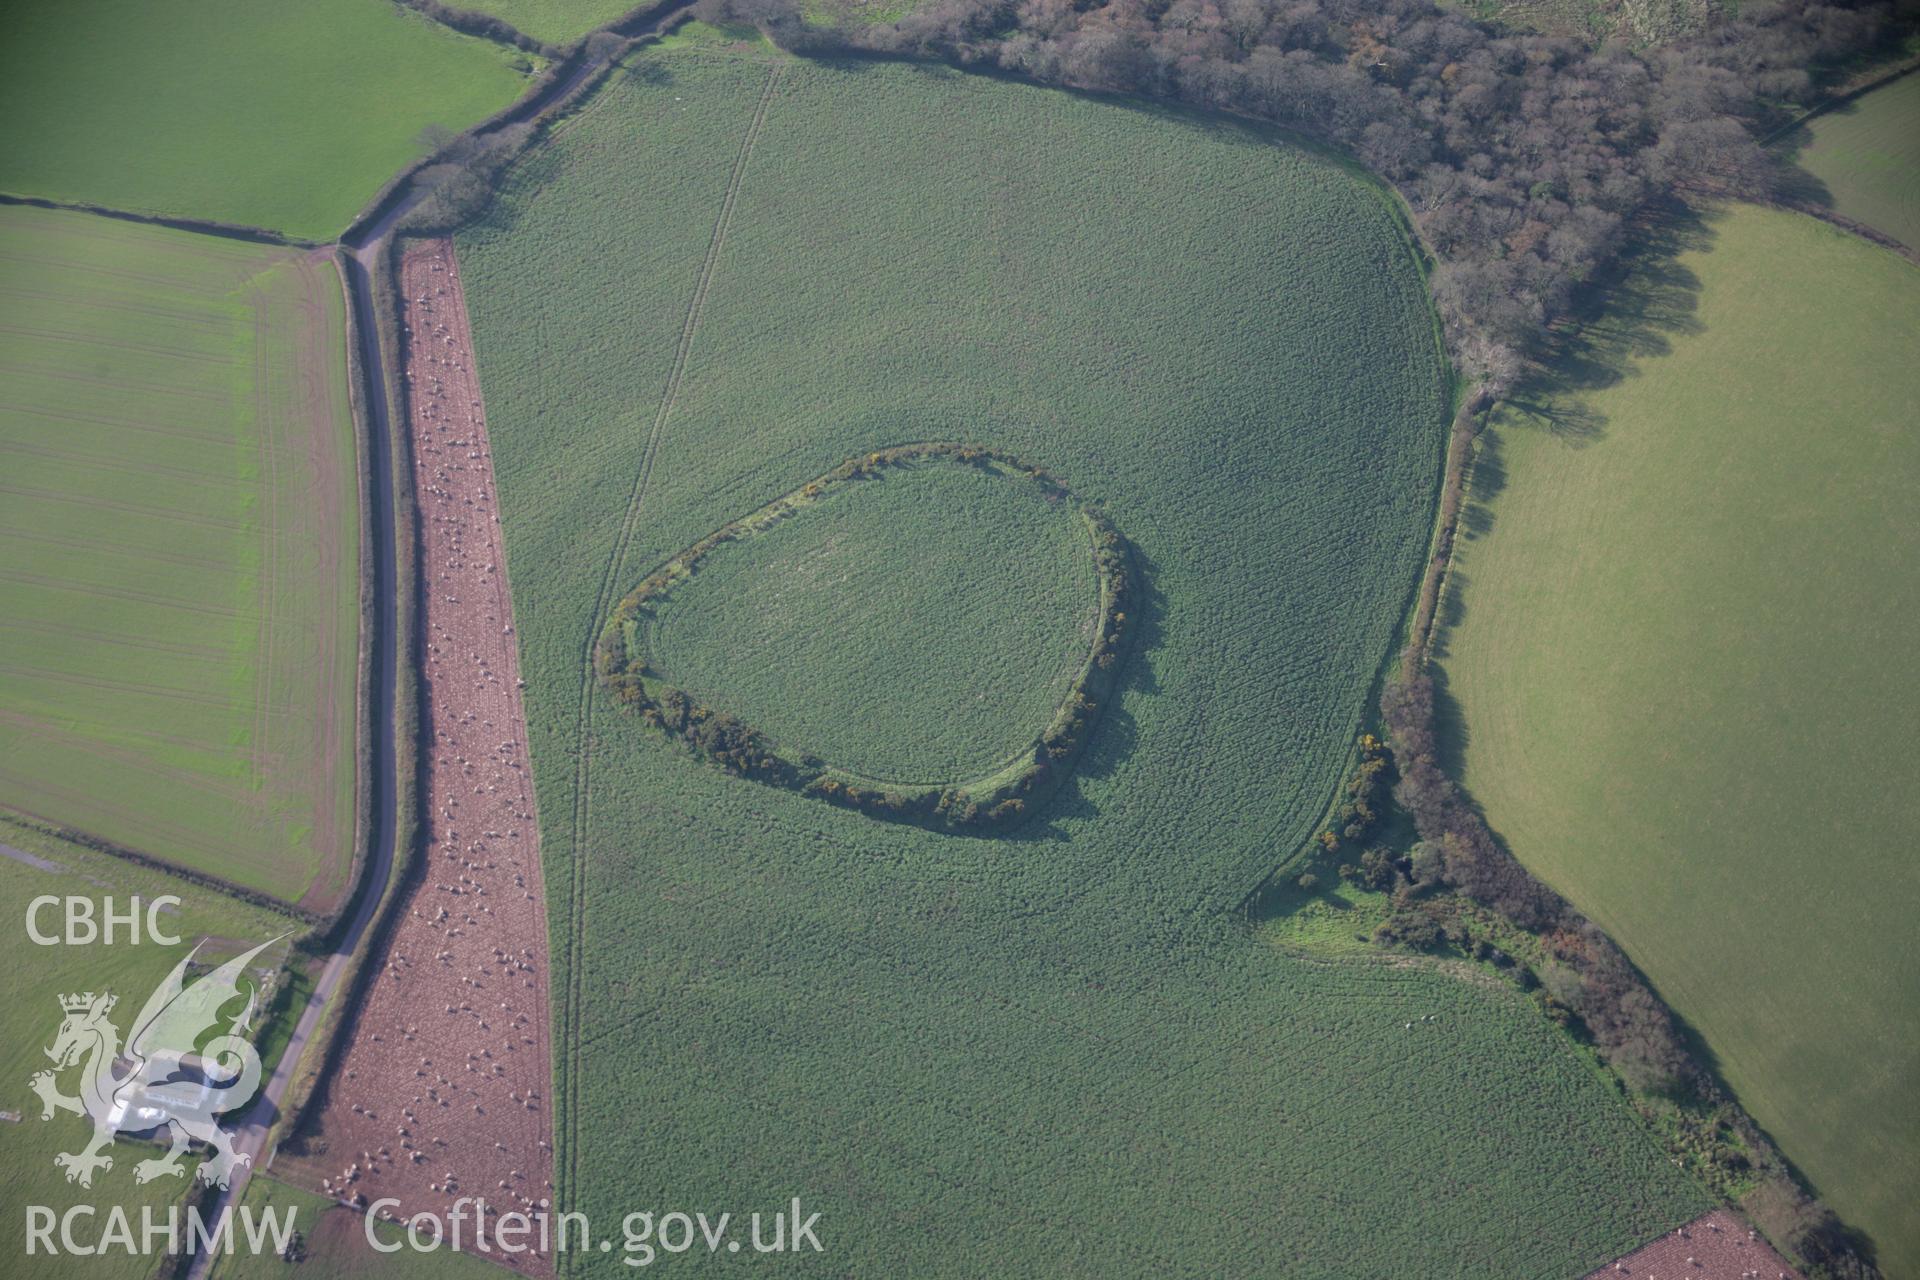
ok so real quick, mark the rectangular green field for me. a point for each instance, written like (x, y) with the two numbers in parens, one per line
(281, 115)
(33, 866)
(1056, 1052)
(179, 549)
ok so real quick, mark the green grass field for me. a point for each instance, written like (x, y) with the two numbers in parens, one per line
(1053, 1054)
(967, 598)
(179, 600)
(31, 1016)
(287, 116)
(1678, 666)
(1864, 159)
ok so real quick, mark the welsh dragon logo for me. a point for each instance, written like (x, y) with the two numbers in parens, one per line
(159, 1078)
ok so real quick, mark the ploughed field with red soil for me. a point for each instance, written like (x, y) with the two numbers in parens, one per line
(1714, 1246)
(443, 1092)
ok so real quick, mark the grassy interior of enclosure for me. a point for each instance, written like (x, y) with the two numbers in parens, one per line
(1862, 159)
(287, 116)
(1679, 620)
(920, 627)
(334, 1245)
(31, 1016)
(179, 602)
(957, 1047)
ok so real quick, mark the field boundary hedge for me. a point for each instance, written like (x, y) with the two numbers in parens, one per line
(1648, 1048)
(1840, 221)
(1851, 92)
(564, 83)
(1458, 474)
(1847, 92)
(1590, 985)
(989, 802)
(481, 26)
(364, 783)
(87, 840)
(202, 226)
(315, 1070)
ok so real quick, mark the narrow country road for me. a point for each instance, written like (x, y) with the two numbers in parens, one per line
(365, 246)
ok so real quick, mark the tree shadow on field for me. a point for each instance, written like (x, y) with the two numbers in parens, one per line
(1627, 317)
(1453, 611)
(1215, 126)
(859, 61)
(1117, 733)
(1485, 483)
(1451, 734)
(1793, 184)
(644, 73)
(1484, 487)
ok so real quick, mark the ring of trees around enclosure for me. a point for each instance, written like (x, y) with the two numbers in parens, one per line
(994, 801)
